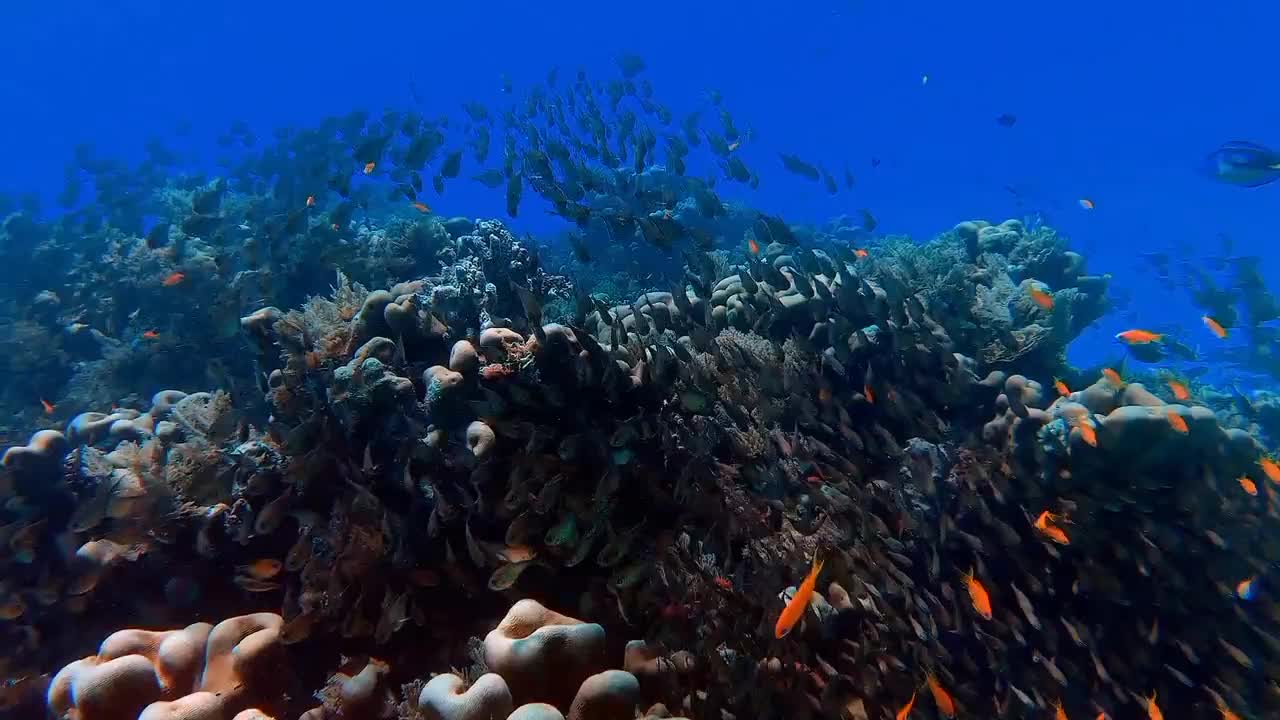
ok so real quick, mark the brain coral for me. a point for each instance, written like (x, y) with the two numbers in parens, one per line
(201, 672)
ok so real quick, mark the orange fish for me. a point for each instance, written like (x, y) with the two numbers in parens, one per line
(1179, 390)
(421, 207)
(151, 335)
(866, 391)
(1061, 387)
(794, 610)
(753, 246)
(1246, 589)
(1177, 423)
(1227, 714)
(941, 697)
(1045, 525)
(1271, 469)
(1086, 203)
(1058, 712)
(1041, 297)
(1138, 337)
(48, 406)
(174, 278)
(1153, 710)
(1249, 486)
(368, 167)
(906, 709)
(311, 201)
(334, 226)
(861, 252)
(1087, 432)
(1113, 377)
(978, 595)
(262, 568)
(824, 396)
(1215, 327)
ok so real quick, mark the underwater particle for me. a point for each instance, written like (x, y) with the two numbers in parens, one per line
(1214, 326)
(311, 201)
(1086, 203)
(796, 607)
(1243, 163)
(924, 80)
(1006, 120)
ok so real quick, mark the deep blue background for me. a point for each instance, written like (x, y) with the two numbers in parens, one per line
(1116, 101)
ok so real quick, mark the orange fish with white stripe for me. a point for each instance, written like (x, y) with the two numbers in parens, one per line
(794, 610)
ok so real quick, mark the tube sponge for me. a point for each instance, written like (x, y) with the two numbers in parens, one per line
(544, 656)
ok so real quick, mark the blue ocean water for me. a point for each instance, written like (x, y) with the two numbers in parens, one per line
(1117, 103)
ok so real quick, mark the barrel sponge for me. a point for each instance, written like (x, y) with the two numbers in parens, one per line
(498, 344)
(480, 438)
(544, 656)
(463, 358)
(446, 697)
(162, 403)
(606, 696)
(536, 711)
(199, 672)
(45, 447)
(441, 383)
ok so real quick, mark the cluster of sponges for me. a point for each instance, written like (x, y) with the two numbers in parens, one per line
(201, 672)
(543, 666)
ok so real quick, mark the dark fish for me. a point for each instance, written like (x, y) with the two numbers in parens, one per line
(848, 178)
(514, 187)
(201, 225)
(580, 249)
(437, 183)
(489, 178)
(830, 183)
(416, 180)
(1244, 163)
(875, 162)
(800, 167)
(476, 111)
(452, 164)
(1007, 120)
(158, 236)
(869, 222)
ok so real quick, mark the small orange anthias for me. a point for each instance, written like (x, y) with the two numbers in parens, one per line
(794, 610)
(978, 595)
(941, 698)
